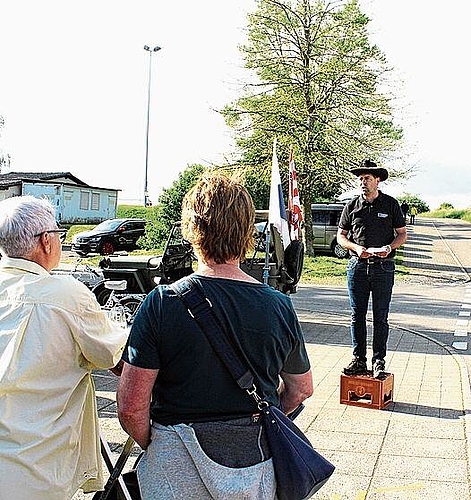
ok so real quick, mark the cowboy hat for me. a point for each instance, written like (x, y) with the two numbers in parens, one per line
(370, 167)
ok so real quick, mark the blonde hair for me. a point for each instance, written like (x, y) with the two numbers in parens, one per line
(218, 218)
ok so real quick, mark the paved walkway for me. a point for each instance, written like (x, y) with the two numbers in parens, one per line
(418, 447)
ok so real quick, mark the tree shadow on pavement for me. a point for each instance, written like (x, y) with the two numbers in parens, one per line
(426, 411)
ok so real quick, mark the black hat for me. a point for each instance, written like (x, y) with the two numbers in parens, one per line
(370, 167)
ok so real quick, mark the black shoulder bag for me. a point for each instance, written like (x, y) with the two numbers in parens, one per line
(300, 470)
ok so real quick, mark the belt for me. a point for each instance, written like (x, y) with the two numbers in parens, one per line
(373, 260)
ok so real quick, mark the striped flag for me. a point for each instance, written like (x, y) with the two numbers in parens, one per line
(294, 205)
(277, 212)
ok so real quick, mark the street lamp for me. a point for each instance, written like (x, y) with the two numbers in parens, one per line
(150, 50)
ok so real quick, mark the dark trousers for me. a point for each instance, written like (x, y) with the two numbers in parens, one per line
(364, 279)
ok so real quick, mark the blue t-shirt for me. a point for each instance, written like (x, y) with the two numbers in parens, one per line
(193, 385)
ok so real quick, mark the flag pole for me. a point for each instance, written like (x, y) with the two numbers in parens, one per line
(266, 267)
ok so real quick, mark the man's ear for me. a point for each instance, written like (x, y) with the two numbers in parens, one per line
(45, 242)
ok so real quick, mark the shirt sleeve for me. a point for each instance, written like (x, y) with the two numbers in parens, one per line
(101, 341)
(344, 222)
(398, 217)
(297, 361)
(142, 348)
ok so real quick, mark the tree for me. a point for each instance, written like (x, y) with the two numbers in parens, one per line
(171, 199)
(446, 206)
(315, 88)
(414, 200)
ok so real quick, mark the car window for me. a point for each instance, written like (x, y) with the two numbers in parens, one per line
(334, 218)
(320, 218)
(109, 225)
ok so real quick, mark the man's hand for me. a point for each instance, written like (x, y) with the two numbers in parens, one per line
(118, 368)
(362, 252)
(379, 251)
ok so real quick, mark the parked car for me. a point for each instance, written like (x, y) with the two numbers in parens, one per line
(325, 221)
(142, 273)
(109, 236)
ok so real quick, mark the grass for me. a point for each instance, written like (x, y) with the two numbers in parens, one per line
(450, 213)
(318, 270)
(324, 270)
(330, 270)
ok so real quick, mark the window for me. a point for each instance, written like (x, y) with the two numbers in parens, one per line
(319, 218)
(84, 200)
(95, 201)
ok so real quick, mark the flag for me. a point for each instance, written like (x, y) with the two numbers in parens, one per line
(277, 212)
(294, 205)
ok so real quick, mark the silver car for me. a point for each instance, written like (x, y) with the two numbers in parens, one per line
(325, 221)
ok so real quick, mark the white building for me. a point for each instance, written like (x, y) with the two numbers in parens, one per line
(76, 202)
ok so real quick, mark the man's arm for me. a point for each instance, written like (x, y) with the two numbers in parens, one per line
(350, 245)
(294, 389)
(134, 397)
(400, 239)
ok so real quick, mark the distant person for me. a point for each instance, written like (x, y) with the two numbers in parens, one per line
(413, 213)
(202, 434)
(405, 209)
(52, 335)
(371, 227)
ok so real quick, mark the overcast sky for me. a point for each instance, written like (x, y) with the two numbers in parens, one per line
(74, 76)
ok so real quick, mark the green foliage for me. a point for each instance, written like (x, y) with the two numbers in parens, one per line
(257, 182)
(171, 199)
(155, 231)
(445, 206)
(132, 211)
(451, 213)
(315, 88)
(414, 200)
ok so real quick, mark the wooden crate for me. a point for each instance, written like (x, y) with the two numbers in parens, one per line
(366, 391)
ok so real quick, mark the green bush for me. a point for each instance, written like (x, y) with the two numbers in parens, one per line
(450, 213)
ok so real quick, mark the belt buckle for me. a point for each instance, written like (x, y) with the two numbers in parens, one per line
(371, 260)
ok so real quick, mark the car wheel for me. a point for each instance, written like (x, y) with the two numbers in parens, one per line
(107, 247)
(338, 250)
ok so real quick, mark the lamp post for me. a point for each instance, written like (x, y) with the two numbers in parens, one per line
(150, 50)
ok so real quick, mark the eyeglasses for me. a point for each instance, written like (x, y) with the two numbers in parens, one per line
(61, 232)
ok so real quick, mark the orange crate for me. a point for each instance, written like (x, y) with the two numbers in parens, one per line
(366, 391)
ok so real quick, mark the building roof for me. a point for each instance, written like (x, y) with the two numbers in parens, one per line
(14, 178)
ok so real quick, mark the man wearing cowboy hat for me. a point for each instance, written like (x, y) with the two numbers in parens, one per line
(371, 227)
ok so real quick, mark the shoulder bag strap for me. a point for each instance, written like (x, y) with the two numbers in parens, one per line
(201, 309)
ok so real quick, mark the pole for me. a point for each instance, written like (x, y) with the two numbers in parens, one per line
(266, 268)
(155, 49)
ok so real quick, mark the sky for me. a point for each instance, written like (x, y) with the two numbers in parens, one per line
(74, 79)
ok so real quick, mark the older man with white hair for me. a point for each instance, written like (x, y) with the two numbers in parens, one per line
(53, 333)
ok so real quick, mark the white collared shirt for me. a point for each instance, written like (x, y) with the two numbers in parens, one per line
(53, 333)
